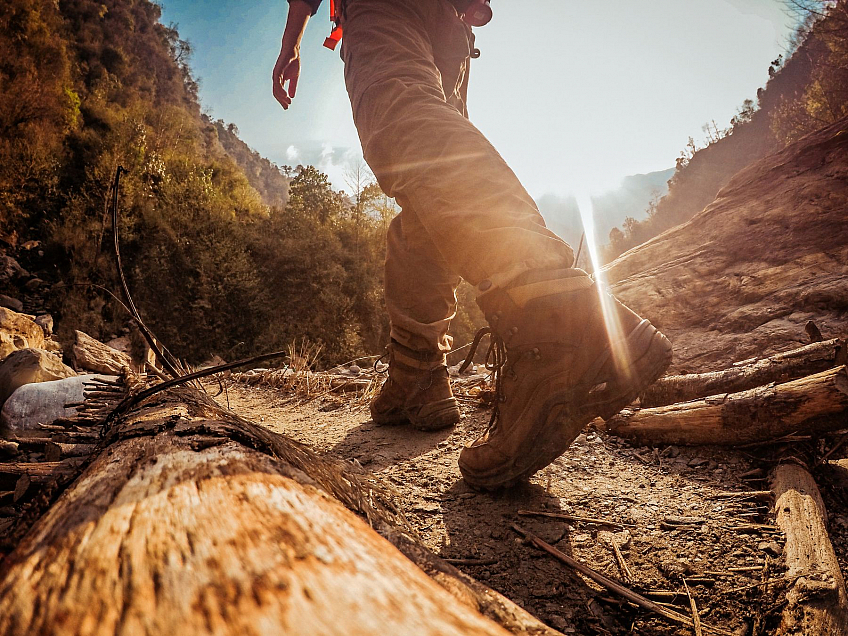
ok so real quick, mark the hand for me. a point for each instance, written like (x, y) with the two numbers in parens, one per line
(287, 69)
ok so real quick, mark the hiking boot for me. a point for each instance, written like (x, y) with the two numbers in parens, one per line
(557, 367)
(417, 391)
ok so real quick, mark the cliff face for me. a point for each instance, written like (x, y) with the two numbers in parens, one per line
(744, 276)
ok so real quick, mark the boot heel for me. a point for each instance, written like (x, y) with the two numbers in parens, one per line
(436, 415)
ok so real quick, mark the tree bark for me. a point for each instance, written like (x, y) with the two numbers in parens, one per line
(191, 520)
(790, 365)
(805, 406)
(817, 602)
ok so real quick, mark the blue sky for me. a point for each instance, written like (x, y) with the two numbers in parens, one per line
(575, 95)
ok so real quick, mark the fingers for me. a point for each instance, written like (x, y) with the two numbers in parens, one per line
(280, 93)
(285, 72)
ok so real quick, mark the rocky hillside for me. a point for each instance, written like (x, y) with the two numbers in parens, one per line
(805, 92)
(745, 275)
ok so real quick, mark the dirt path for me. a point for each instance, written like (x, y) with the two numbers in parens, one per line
(674, 524)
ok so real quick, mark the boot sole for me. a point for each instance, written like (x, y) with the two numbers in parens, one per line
(430, 417)
(650, 356)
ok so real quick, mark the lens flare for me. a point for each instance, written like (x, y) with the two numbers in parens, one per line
(613, 325)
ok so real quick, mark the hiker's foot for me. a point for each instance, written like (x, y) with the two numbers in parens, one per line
(562, 364)
(417, 391)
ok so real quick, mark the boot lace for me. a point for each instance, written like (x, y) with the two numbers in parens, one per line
(495, 361)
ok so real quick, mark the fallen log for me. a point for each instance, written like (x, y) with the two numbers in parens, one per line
(191, 520)
(54, 451)
(41, 471)
(808, 405)
(816, 600)
(782, 367)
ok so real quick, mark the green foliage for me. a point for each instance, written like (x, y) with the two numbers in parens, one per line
(86, 86)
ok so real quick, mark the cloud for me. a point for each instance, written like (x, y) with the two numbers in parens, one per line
(292, 154)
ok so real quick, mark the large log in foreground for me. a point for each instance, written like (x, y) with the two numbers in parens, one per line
(193, 521)
(805, 406)
(782, 367)
(816, 600)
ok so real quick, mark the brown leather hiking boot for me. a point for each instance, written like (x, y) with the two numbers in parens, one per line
(417, 391)
(558, 366)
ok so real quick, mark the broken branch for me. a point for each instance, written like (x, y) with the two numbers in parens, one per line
(790, 365)
(808, 404)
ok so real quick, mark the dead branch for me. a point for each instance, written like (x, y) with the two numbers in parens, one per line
(783, 367)
(807, 405)
(817, 602)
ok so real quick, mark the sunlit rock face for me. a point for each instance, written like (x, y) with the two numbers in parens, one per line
(744, 276)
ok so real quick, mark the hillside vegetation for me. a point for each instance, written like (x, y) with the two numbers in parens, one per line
(221, 257)
(804, 93)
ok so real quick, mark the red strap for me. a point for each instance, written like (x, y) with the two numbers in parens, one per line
(336, 35)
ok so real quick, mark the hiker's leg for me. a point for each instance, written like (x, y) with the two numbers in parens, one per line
(426, 154)
(420, 290)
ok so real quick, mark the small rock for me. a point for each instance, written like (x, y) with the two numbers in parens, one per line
(45, 321)
(10, 269)
(41, 403)
(124, 345)
(695, 462)
(8, 449)
(28, 366)
(772, 547)
(560, 623)
(33, 284)
(671, 451)
(11, 303)
(354, 369)
(18, 331)
(93, 355)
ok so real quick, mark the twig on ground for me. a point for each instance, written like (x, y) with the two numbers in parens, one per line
(611, 585)
(744, 494)
(696, 618)
(574, 518)
(470, 561)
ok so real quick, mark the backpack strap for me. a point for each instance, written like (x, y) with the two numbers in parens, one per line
(335, 17)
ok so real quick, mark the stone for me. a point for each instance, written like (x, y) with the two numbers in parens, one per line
(10, 269)
(45, 321)
(27, 366)
(34, 284)
(124, 345)
(18, 331)
(11, 303)
(43, 403)
(93, 355)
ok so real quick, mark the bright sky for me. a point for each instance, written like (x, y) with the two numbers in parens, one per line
(575, 95)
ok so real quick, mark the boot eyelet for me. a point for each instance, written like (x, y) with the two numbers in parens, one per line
(502, 399)
(513, 331)
(536, 353)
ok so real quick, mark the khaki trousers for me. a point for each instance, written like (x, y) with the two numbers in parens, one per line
(464, 212)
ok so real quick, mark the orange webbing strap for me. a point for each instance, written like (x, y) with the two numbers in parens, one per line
(336, 35)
